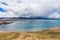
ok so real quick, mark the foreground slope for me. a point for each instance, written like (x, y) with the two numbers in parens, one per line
(53, 34)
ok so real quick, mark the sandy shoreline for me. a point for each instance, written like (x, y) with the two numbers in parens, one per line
(36, 35)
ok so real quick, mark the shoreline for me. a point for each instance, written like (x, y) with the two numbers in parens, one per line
(37, 35)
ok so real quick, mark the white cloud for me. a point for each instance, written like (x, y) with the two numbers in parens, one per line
(55, 14)
(35, 7)
(8, 14)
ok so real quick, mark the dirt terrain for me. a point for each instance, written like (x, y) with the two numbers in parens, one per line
(53, 34)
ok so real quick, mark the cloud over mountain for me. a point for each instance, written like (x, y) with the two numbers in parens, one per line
(17, 8)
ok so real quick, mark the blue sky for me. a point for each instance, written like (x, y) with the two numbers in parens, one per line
(43, 8)
(2, 10)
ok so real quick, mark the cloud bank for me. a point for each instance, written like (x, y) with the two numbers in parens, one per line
(18, 8)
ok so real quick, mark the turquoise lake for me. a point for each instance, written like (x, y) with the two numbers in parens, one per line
(30, 25)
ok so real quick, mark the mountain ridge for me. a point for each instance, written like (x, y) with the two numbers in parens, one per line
(41, 18)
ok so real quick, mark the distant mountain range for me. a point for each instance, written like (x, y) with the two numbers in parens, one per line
(18, 18)
(39, 18)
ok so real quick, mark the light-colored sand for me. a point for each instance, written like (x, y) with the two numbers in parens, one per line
(38, 35)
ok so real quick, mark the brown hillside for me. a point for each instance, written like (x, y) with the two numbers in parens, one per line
(40, 35)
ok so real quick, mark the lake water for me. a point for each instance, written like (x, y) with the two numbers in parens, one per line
(30, 25)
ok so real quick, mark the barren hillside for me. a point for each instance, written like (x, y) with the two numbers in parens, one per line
(53, 34)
